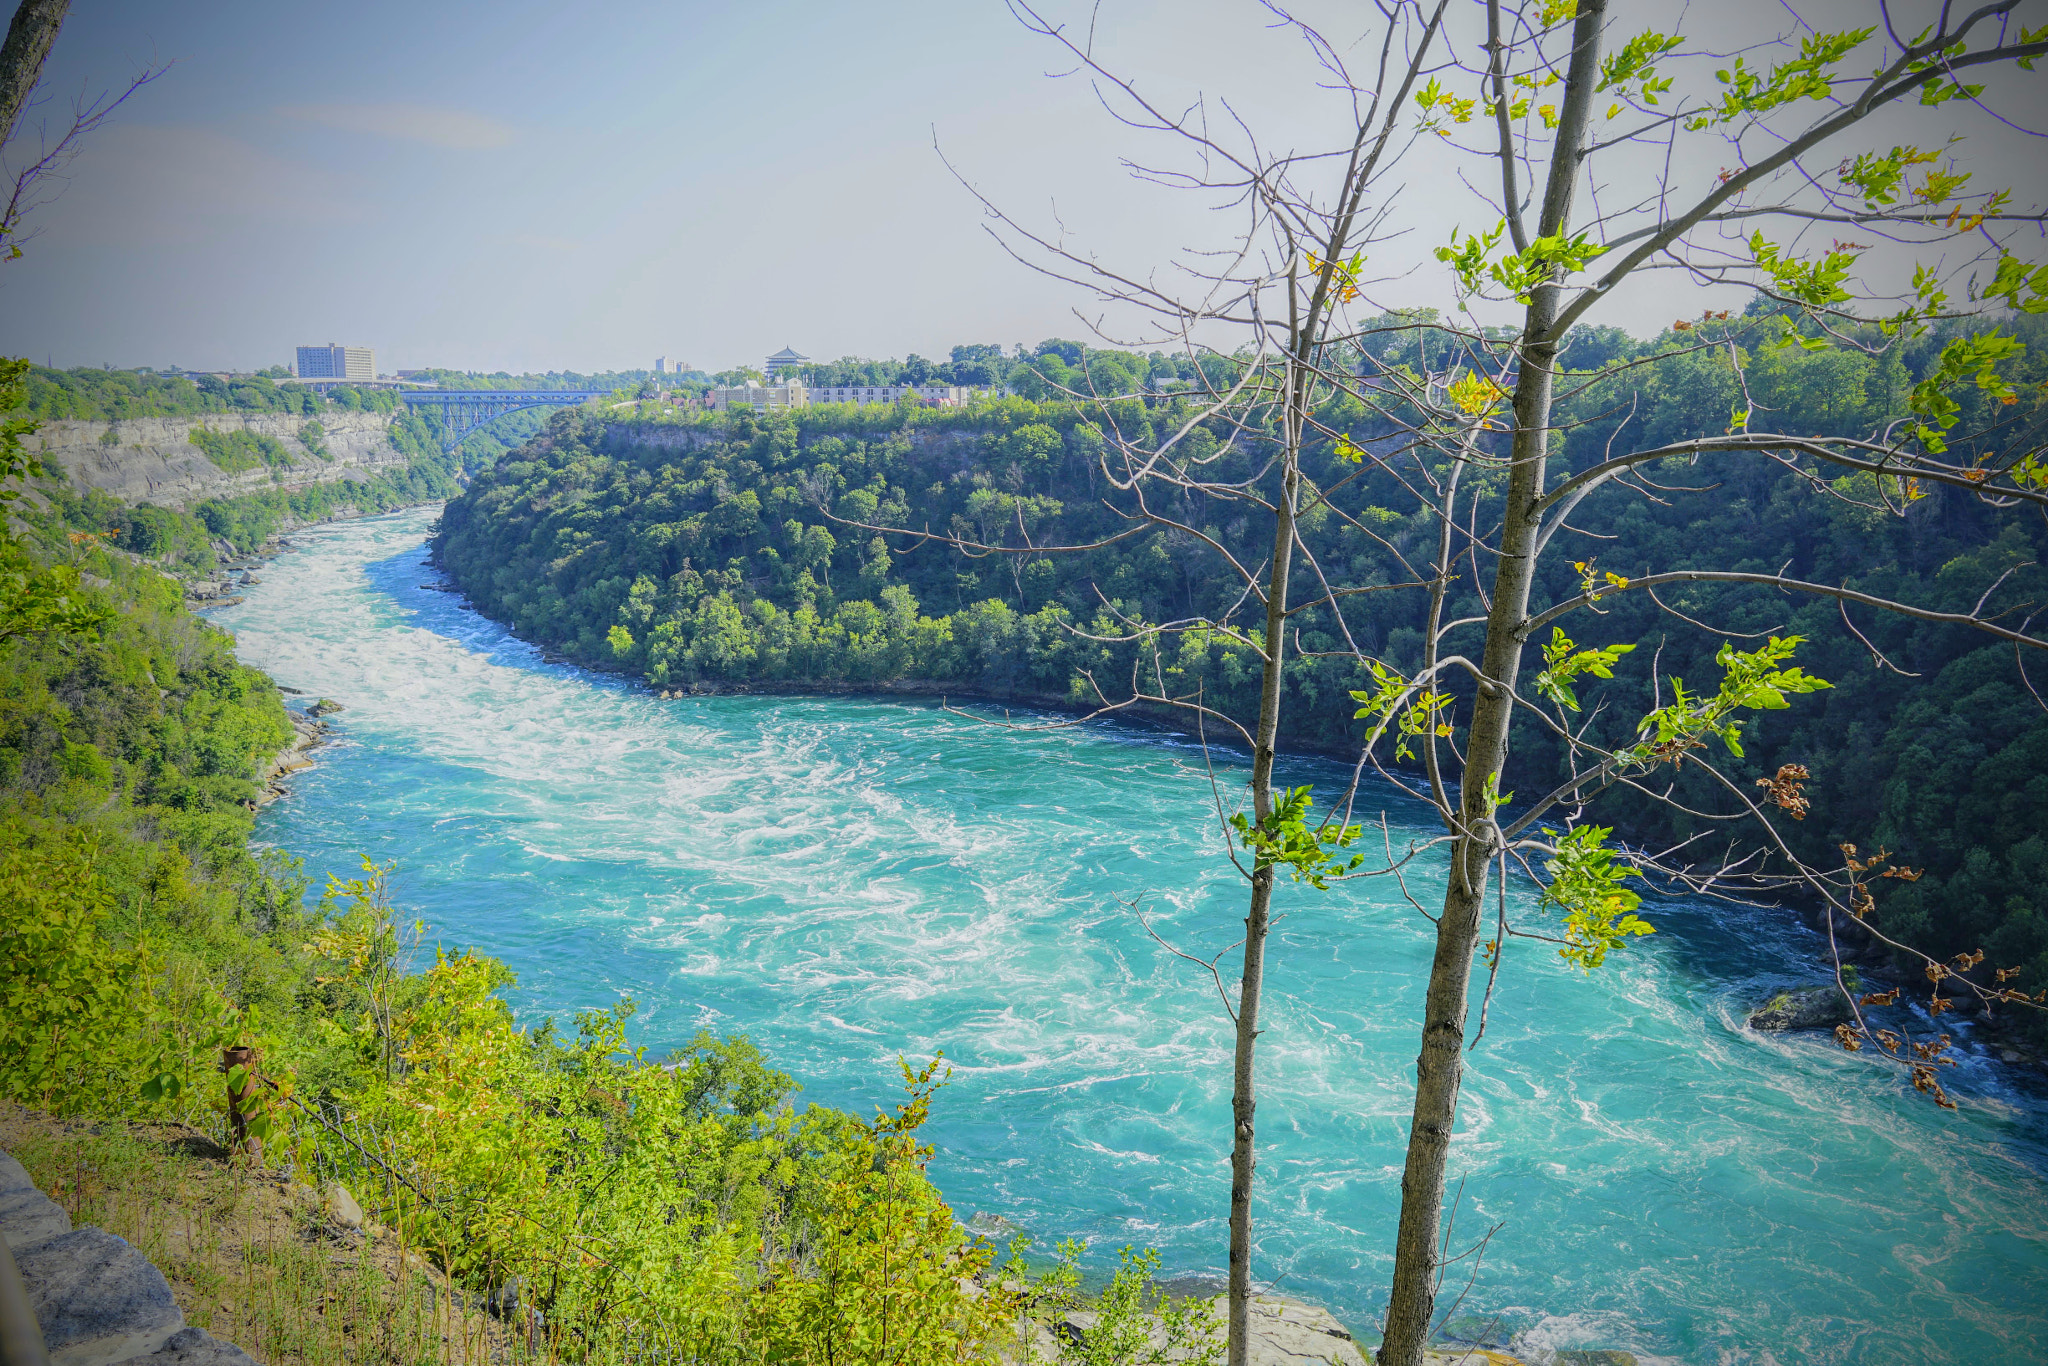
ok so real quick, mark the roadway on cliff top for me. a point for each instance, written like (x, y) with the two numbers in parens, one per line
(465, 410)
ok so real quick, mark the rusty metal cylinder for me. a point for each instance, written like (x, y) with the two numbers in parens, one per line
(242, 1101)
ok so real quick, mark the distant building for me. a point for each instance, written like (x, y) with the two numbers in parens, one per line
(762, 398)
(785, 359)
(932, 395)
(664, 366)
(337, 362)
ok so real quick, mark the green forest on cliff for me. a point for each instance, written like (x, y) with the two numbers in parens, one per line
(741, 548)
(690, 1201)
(84, 394)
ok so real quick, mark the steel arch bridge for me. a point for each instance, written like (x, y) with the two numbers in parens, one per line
(464, 410)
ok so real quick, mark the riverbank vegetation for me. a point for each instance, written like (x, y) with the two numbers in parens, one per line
(724, 549)
(607, 1204)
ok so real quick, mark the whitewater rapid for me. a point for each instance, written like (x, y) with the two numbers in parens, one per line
(852, 881)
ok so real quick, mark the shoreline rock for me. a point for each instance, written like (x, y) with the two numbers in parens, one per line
(1808, 1007)
(308, 733)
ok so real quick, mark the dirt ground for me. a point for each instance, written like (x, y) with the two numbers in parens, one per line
(254, 1257)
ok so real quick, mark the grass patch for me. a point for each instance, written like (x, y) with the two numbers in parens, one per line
(252, 1258)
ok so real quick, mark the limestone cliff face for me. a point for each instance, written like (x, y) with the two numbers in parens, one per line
(153, 460)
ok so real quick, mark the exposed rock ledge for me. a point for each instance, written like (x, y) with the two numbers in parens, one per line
(97, 1300)
(307, 732)
(152, 459)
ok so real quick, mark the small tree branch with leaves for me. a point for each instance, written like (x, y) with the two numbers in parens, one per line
(1576, 128)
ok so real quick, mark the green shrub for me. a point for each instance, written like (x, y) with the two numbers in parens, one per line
(235, 451)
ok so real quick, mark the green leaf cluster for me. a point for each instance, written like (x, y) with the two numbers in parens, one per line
(1130, 1323)
(1814, 283)
(1750, 681)
(1546, 259)
(1587, 885)
(1977, 358)
(1563, 661)
(1804, 78)
(1412, 710)
(1286, 839)
(1637, 62)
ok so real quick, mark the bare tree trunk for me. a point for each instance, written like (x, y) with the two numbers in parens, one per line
(1243, 1158)
(1439, 1069)
(21, 58)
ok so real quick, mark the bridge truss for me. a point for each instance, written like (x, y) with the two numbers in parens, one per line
(464, 410)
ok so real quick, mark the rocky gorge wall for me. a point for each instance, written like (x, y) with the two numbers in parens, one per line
(153, 459)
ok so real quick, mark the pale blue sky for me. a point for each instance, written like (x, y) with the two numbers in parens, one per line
(525, 186)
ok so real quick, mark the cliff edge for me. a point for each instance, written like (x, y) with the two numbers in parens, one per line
(156, 459)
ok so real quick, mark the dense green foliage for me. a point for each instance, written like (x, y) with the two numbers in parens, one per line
(139, 934)
(1039, 372)
(128, 760)
(686, 1204)
(112, 395)
(240, 450)
(729, 548)
(553, 379)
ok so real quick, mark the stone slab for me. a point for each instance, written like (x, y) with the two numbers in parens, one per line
(98, 1300)
(195, 1347)
(1288, 1333)
(28, 1217)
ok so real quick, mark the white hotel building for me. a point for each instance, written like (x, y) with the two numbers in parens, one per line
(935, 395)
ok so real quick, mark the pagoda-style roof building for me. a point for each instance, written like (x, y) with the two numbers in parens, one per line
(788, 358)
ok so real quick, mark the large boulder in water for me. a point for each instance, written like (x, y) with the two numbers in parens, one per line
(1814, 1007)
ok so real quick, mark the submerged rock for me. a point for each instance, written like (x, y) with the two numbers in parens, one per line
(993, 1227)
(1814, 1007)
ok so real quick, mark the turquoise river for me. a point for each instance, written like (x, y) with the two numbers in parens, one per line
(849, 881)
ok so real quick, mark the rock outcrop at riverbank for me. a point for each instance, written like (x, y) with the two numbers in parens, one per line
(153, 460)
(307, 732)
(1809, 1007)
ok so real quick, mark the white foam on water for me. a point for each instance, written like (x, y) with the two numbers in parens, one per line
(850, 881)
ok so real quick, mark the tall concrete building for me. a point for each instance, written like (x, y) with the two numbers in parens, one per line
(337, 362)
(785, 359)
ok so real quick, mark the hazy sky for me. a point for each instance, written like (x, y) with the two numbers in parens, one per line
(524, 186)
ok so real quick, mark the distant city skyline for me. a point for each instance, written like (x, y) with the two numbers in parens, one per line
(521, 188)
